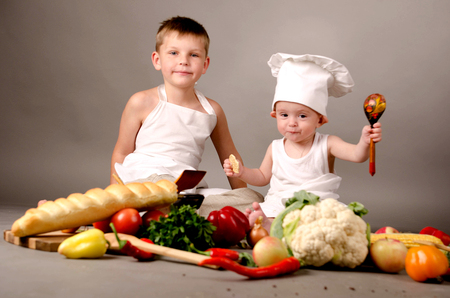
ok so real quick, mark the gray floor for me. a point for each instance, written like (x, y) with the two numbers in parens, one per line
(28, 273)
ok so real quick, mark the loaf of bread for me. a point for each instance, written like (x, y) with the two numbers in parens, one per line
(95, 205)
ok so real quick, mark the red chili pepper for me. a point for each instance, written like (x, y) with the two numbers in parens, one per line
(243, 258)
(223, 252)
(437, 233)
(129, 249)
(218, 252)
(231, 226)
(286, 266)
(132, 251)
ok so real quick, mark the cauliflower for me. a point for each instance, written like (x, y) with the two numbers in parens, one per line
(326, 231)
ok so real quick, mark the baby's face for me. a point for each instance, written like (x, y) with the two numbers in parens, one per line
(295, 121)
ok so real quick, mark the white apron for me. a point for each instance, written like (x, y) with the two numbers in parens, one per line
(171, 139)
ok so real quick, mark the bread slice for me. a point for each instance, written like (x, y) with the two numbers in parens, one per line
(234, 163)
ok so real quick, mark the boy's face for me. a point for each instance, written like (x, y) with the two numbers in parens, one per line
(181, 59)
(295, 121)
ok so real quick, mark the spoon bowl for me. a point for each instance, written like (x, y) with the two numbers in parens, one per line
(374, 107)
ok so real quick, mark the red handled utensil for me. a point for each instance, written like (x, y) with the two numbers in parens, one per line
(189, 179)
(374, 107)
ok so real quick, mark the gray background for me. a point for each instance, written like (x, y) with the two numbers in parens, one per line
(69, 67)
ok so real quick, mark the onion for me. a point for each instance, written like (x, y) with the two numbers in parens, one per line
(256, 233)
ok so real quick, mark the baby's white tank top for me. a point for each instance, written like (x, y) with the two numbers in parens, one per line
(310, 172)
(171, 139)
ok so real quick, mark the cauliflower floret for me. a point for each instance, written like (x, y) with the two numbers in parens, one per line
(324, 232)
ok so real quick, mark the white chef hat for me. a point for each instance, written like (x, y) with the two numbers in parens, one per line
(309, 80)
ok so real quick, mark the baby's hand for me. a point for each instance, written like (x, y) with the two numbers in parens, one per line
(228, 168)
(372, 133)
(231, 166)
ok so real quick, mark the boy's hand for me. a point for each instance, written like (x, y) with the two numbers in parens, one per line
(372, 133)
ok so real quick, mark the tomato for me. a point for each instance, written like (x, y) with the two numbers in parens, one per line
(151, 215)
(127, 221)
(425, 262)
(103, 225)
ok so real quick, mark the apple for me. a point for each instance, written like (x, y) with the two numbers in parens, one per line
(387, 230)
(389, 255)
(269, 250)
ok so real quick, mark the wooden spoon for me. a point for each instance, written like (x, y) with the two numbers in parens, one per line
(374, 107)
(182, 255)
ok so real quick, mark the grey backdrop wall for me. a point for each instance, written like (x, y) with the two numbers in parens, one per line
(69, 67)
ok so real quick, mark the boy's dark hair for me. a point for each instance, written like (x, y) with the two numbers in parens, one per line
(183, 26)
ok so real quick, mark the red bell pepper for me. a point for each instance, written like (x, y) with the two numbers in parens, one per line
(436, 233)
(232, 226)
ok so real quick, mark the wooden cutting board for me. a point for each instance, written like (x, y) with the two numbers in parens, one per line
(46, 242)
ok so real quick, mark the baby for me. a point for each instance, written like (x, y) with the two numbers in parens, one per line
(303, 158)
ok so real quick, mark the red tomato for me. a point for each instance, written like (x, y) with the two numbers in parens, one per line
(127, 221)
(151, 215)
(103, 225)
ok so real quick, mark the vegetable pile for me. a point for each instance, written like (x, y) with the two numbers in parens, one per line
(312, 233)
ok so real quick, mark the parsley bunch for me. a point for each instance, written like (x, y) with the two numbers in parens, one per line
(180, 228)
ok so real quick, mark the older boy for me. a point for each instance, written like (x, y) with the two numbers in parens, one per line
(163, 130)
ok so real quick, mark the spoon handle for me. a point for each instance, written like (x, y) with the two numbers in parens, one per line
(372, 158)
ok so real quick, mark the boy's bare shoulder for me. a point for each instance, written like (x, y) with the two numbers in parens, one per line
(216, 106)
(144, 99)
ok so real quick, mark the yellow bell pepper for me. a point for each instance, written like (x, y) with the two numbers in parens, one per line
(90, 244)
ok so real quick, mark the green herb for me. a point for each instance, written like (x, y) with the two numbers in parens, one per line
(180, 228)
(358, 208)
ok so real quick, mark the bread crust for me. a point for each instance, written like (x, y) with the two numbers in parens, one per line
(95, 205)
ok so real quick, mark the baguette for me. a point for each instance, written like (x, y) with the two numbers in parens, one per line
(95, 205)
